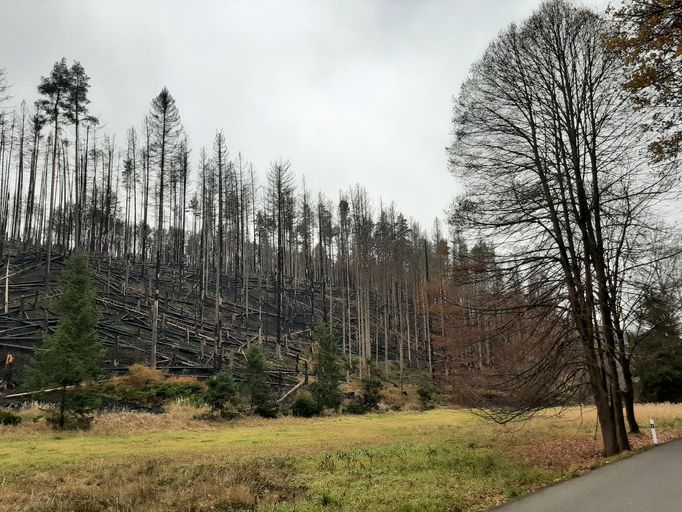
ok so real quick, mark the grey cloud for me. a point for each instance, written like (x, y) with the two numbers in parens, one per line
(349, 91)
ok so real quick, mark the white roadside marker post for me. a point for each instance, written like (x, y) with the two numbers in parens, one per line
(652, 425)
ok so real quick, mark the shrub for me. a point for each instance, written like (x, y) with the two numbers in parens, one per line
(141, 376)
(662, 383)
(427, 395)
(9, 418)
(120, 393)
(369, 401)
(371, 392)
(221, 394)
(356, 407)
(305, 406)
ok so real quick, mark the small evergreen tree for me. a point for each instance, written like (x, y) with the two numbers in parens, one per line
(427, 392)
(658, 356)
(370, 398)
(371, 392)
(256, 386)
(327, 369)
(221, 394)
(73, 353)
(305, 406)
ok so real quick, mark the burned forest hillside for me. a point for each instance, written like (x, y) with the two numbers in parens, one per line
(195, 255)
(199, 334)
(206, 319)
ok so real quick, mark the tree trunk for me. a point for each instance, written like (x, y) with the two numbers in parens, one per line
(62, 407)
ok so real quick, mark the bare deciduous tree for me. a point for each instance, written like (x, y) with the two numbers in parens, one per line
(548, 151)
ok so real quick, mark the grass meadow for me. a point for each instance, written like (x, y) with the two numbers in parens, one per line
(444, 459)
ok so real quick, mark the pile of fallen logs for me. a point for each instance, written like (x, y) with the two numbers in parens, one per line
(191, 340)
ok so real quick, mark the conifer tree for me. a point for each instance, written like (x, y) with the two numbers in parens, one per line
(659, 348)
(327, 369)
(256, 386)
(55, 90)
(73, 353)
(221, 393)
(76, 112)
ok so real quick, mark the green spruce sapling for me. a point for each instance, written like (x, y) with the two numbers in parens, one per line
(73, 353)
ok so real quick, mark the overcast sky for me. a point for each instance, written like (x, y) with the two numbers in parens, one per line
(351, 91)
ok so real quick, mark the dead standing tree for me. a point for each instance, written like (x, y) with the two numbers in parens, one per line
(280, 191)
(4, 86)
(164, 121)
(220, 160)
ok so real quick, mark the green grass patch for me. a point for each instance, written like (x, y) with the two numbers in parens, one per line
(412, 477)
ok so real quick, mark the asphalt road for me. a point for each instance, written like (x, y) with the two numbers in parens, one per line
(650, 481)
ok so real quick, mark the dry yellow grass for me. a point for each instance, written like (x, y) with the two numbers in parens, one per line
(392, 398)
(178, 416)
(140, 376)
(181, 415)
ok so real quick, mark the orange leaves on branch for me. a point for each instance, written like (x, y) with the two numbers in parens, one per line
(648, 34)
